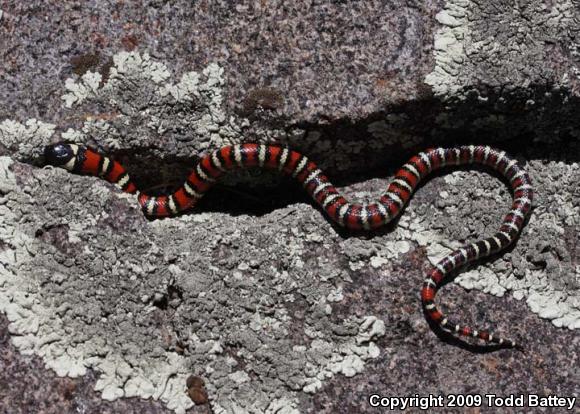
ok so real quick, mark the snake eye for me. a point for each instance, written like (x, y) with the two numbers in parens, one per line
(58, 154)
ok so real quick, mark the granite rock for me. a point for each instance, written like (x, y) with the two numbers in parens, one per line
(255, 302)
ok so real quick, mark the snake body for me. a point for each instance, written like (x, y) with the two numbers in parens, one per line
(352, 216)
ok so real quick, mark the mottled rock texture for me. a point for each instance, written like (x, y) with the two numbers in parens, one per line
(255, 302)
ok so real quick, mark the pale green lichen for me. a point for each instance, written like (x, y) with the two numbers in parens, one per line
(25, 140)
(449, 49)
(56, 310)
(81, 90)
(141, 97)
(553, 293)
(496, 43)
(144, 104)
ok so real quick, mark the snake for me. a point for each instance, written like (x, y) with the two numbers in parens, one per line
(352, 216)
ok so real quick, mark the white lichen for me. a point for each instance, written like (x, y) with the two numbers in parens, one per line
(507, 48)
(141, 97)
(80, 90)
(25, 140)
(449, 48)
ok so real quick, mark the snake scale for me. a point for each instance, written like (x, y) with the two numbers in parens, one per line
(353, 216)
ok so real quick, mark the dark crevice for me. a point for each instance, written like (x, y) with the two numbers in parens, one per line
(254, 192)
(554, 114)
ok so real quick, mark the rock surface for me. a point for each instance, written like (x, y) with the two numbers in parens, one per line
(255, 302)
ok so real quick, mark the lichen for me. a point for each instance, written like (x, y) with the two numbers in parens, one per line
(491, 42)
(247, 303)
(99, 287)
(552, 290)
(151, 111)
(24, 141)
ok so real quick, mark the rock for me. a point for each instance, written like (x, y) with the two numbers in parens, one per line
(239, 292)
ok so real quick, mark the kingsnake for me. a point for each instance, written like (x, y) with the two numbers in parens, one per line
(352, 216)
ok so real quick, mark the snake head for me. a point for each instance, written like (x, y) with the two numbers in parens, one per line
(61, 155)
